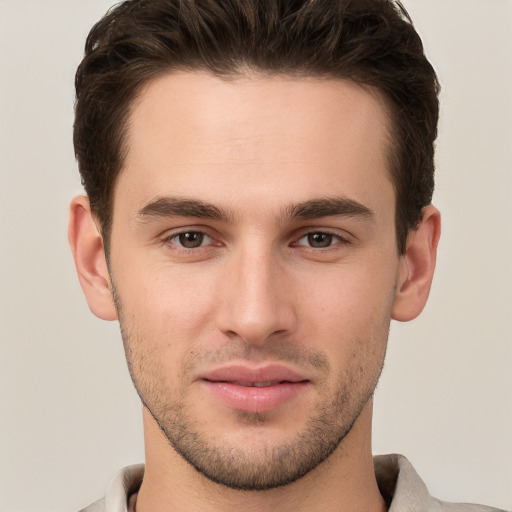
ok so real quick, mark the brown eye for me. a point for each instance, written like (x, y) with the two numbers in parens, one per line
(190, 239)
(320, 240)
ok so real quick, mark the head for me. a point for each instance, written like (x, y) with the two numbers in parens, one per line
(261, 174)
(369, 42)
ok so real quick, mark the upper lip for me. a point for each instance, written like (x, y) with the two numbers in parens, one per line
(242, 374)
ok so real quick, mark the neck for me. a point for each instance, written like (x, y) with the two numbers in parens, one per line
(345, 481)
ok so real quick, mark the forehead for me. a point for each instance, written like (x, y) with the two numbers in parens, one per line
(257, 138)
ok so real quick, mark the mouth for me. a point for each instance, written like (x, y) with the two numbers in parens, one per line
(254, 390)
(259, 384)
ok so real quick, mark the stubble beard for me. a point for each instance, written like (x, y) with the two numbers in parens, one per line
(235, 466)
(269, 466)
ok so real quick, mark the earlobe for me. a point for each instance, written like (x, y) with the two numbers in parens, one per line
(88, 252)
(417, 266)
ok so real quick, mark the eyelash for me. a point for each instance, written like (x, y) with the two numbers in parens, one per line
(336, 240)
(169, 240)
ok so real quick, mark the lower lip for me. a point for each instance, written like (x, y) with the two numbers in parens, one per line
(255, 399)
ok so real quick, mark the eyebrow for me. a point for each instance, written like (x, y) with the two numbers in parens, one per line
(167, 206)
(328, 207)
(182, 207)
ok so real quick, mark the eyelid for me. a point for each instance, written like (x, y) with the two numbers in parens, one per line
(167, 237)
(205, 241)
(343, 236)
(337, 243)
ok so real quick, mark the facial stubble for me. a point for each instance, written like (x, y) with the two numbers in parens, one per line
(268, 466)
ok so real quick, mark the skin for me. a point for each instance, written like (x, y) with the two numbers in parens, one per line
(284, 188)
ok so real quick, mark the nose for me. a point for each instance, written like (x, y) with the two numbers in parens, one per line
(257, 298)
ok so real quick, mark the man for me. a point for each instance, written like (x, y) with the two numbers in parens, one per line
(259, 178)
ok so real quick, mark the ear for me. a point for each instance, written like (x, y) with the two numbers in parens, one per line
(417, 266)
(87, 247)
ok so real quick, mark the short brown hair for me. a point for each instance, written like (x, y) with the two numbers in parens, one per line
(371, 42)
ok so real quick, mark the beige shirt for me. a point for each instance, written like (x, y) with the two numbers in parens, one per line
(399, 484)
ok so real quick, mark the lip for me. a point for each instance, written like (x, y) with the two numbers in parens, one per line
(254, 390)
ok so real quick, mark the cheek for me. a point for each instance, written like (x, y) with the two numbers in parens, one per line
(170, 294)
(348, 296)
(348, 312)
(166, 308)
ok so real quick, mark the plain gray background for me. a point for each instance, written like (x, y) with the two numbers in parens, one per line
(69, 418)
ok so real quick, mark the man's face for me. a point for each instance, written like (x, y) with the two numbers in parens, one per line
(254, 263)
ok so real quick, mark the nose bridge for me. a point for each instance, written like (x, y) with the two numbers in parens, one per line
(257, 304)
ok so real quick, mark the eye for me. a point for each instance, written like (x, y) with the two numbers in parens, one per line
(319, 240)
(191, 239)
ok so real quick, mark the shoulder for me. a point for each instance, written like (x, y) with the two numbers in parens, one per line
(125, 483)
(405, 491)
(97, 506)
(444, 506)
